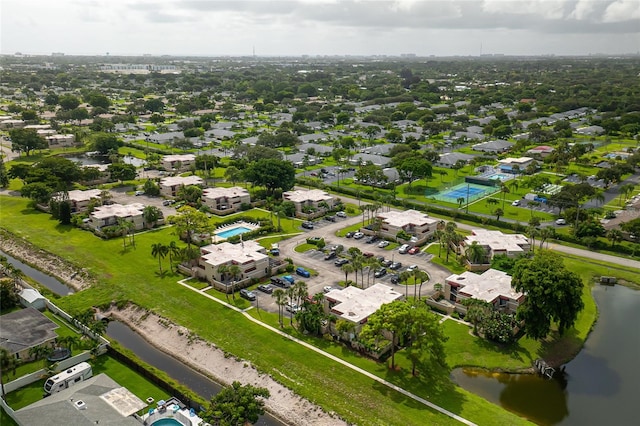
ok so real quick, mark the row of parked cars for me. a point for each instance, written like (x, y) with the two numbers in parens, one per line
(331, 218)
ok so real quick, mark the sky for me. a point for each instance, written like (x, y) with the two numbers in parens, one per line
(320, 27)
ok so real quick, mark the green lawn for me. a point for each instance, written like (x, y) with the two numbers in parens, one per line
(130, 274)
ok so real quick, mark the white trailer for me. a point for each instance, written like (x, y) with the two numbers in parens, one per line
(68, 378)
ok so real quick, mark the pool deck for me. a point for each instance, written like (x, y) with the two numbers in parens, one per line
(240, 224)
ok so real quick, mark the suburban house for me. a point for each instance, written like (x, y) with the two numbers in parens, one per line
(495, 243)
(80, 199)
(496, 146)
(225, 200)
(542, 151)
(97, 400)
(169, 186)
(417, 224)
(515, 165)
(11, 124)
(178, 162)
(56, 140)
(249, 256)
(590, 130)
(311, 203)
(25, 329)
(165, 138)
(108, 215)
(492, 286)
(449, 159)
(355, 305)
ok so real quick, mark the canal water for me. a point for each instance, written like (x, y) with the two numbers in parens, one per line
(178, 371)
(601, 384)
(45, 280)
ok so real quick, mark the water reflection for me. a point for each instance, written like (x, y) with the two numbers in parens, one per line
(43, 279)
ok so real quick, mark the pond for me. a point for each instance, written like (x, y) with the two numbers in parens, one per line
(600, 385)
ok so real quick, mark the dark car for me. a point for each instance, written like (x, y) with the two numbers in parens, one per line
(387, 263)
(396, 265)
(307, 225)
(279, 282)
(266, 288)
(371, 239)
(380, 273)
(367, 254)
(341, 262)
(249, 295)
(330, 255)
(330, 218)
(395, 278)
(303, 272)
(349, 234)
(380, 259)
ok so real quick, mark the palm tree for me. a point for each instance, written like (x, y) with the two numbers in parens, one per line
(151, 215)
(173, 251)
(545, 234)
(301, 291)
(475, 253)
(422, 277)
(40, 351)
(347, 269)
(505, 190)
(498, 213)
(614, 235)
(68, 342)
(235, 272)
(533, 233)
(404, 278)
(281, 299)
(159, 250)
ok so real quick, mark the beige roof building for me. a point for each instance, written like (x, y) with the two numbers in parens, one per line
(225, 200)
(169, 186)
(80, 199)
(356, 305)
(178, 162)
(108, 215)
(419, 225)
(250, 256)
(308, 202)
(492, 286)
(496, 243)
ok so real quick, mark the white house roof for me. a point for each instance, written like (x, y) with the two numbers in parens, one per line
(118, 210)
(79, 195)
(30, 295)
(356, 305)
(497, 241)
(302, 196)
(401, 219)
(219, 254)
(519, 160)
(181, 180)
(222, 192)
(179, 157)
(487, 286)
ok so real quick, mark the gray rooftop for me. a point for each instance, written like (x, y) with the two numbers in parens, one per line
(25, 329)
(105, 403)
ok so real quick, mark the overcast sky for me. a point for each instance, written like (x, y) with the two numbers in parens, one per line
(320, 27)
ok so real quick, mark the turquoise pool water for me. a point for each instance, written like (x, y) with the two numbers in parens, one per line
(233, 231)
(498, 176)
(167, 422)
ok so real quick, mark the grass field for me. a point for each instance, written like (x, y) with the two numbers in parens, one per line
(131, 274)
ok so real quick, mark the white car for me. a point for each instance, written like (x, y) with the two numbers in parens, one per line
(383, 244)
(327, 288)
(341, 214)
(404, 248)
(516, 203)
(358, 235)
(561, 221)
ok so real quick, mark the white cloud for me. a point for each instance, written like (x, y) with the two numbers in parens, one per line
(623, 10)
(583, 10)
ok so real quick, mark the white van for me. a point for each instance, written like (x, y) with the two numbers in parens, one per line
(68, 378)
(404, 248)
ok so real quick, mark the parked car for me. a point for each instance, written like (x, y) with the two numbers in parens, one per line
(341, 262)
(387, 263)
(137, 193)
(266, 288)
(372, 239)
(383, 244)
(561, 221)
(358, 235)
(279, 282)
(292, 307)
(380, 273)
(414, 250)
(341, 214)
(330, 255)
(249, 295)
(302, 272)
(349, 234)
(516, 203)
(396, 265)
(307, 225)
(167, 202)
(289, 278)
(327, 288)
(404, 248)
(330, 218)
(412, 268)
(367, 254)
(380, 259)
(394, 278)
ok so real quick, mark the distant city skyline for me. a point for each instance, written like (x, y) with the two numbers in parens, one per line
(320, 27)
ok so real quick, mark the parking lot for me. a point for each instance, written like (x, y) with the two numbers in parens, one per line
(120, 196)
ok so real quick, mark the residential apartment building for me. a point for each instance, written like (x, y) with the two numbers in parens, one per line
(110, 214)
(496, 243)
(170, 186)
(492, 286)
(225, 200)
(310, 203)
(417, 224)
(178, 162)
(79, 199)
(249, 256)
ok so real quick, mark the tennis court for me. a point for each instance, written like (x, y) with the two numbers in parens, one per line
(464, 190)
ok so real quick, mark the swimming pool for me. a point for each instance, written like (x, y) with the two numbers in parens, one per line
(471, 190)
(498, 176)
(233, 231)
(167, 421)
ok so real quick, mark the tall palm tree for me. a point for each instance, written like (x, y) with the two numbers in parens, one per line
(404, 278)
(223, 270)
(546, 233)
(40, 351)
(301, 291)
(475, 253)
(159, 251)
(421, 277)
(174, 251)
(614, 235)
(281, 299)
(347, 269)
(235, 272)
(505, 190)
